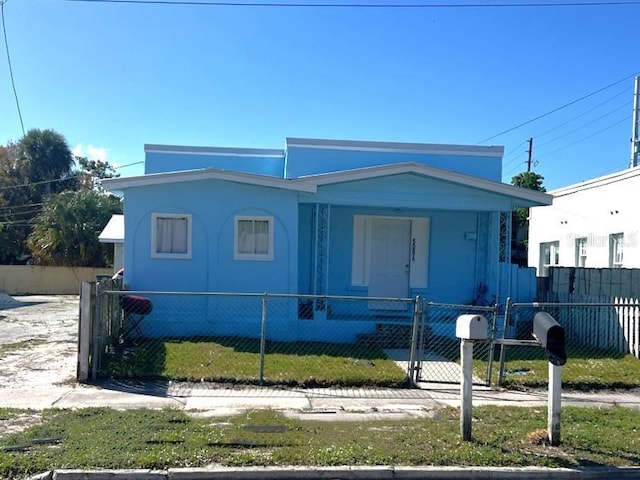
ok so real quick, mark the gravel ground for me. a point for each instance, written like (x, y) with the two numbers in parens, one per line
(38, 340)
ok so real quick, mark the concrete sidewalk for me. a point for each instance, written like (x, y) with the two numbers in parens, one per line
(319, 402)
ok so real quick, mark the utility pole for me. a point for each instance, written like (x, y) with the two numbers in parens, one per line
(530, 151)
(635, 141)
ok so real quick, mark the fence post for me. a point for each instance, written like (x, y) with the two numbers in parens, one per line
(414, 342)
(87, 301)
(263, 338)
(97, 331)
(492, 343)
(503, 347)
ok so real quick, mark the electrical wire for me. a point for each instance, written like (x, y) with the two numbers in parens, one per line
(369, 5)
(584, 125)
(585, 138)
(557, 109)
(624, 91)
(28, 184)
(21, 206)
(13, 83)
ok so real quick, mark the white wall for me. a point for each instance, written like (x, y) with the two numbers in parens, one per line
(594, 209)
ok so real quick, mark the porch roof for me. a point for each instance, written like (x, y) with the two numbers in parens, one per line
(527, 196)
(310, 183)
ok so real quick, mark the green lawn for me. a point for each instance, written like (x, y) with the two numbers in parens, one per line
(527, 367)
(104, 438)
(238, 361)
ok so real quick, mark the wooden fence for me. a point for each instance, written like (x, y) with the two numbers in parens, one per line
(601, 322)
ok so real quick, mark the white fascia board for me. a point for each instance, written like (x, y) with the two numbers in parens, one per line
(113, 232)
(423, 148)
(209, 151)
(540, 198)
(122, 183)
(597, 182)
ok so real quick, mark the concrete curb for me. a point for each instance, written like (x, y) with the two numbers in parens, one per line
(348, 473)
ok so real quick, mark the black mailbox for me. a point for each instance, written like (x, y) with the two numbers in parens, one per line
(551, 335)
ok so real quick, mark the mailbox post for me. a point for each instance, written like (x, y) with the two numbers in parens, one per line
(550, 334)
(468, 328)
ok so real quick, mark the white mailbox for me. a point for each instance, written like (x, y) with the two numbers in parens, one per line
(472, 327)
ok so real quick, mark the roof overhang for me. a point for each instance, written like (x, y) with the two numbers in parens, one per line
(400, 147)
(597, 182)
(122, 183)
(209, 151)
(113, 232)
(524, 194)
(310, 183)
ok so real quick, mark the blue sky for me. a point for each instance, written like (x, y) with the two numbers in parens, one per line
(112, 77)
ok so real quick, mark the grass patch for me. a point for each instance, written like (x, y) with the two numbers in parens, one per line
(24, 344)
(595, 370)
(103, 438)
(238, 361)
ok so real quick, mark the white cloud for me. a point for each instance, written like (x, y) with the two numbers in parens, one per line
(90, 151)
(77, 150)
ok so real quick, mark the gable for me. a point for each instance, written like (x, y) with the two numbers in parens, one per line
(410, 191)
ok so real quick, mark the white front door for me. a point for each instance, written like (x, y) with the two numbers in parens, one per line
(390, 252)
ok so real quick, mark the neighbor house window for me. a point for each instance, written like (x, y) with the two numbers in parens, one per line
(581, 252)
(170, 235)
(253, 238)
(616, 241)
(549, 257)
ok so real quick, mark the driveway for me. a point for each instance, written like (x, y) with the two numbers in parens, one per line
(38, 340)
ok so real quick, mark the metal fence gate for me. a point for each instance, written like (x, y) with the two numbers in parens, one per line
(273, 338)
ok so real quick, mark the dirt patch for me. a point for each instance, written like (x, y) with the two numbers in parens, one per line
(38, 340)
(17, 422)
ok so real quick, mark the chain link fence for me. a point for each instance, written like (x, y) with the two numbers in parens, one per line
(276, 339)
(602, 342)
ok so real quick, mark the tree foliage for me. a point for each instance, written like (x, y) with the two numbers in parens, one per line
(33, 172)
(66, 230)
(520, 217)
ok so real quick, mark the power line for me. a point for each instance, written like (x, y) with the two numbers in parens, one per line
(557, 109)
(13, 84)
(624, 91)
(369, 5)
(584, 125)
(587, 137)
(21, 206)
(28, 184)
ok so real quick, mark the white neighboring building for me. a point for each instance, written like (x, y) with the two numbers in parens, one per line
(593, 224)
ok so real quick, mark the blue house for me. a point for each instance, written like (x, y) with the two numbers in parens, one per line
(322, 217)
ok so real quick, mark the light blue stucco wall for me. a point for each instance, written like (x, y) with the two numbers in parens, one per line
(158, 162)
(213, 204)
(302, 161)
(451, 260)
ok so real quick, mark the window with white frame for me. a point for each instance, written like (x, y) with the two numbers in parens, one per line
(581, 252)
(253, 238)
(616, 244)
(549, 257)
(170, 235)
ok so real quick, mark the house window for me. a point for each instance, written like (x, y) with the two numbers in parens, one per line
(581, 252)
(549, 257)
(170, 235)
(253, 238)
(616, 241)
